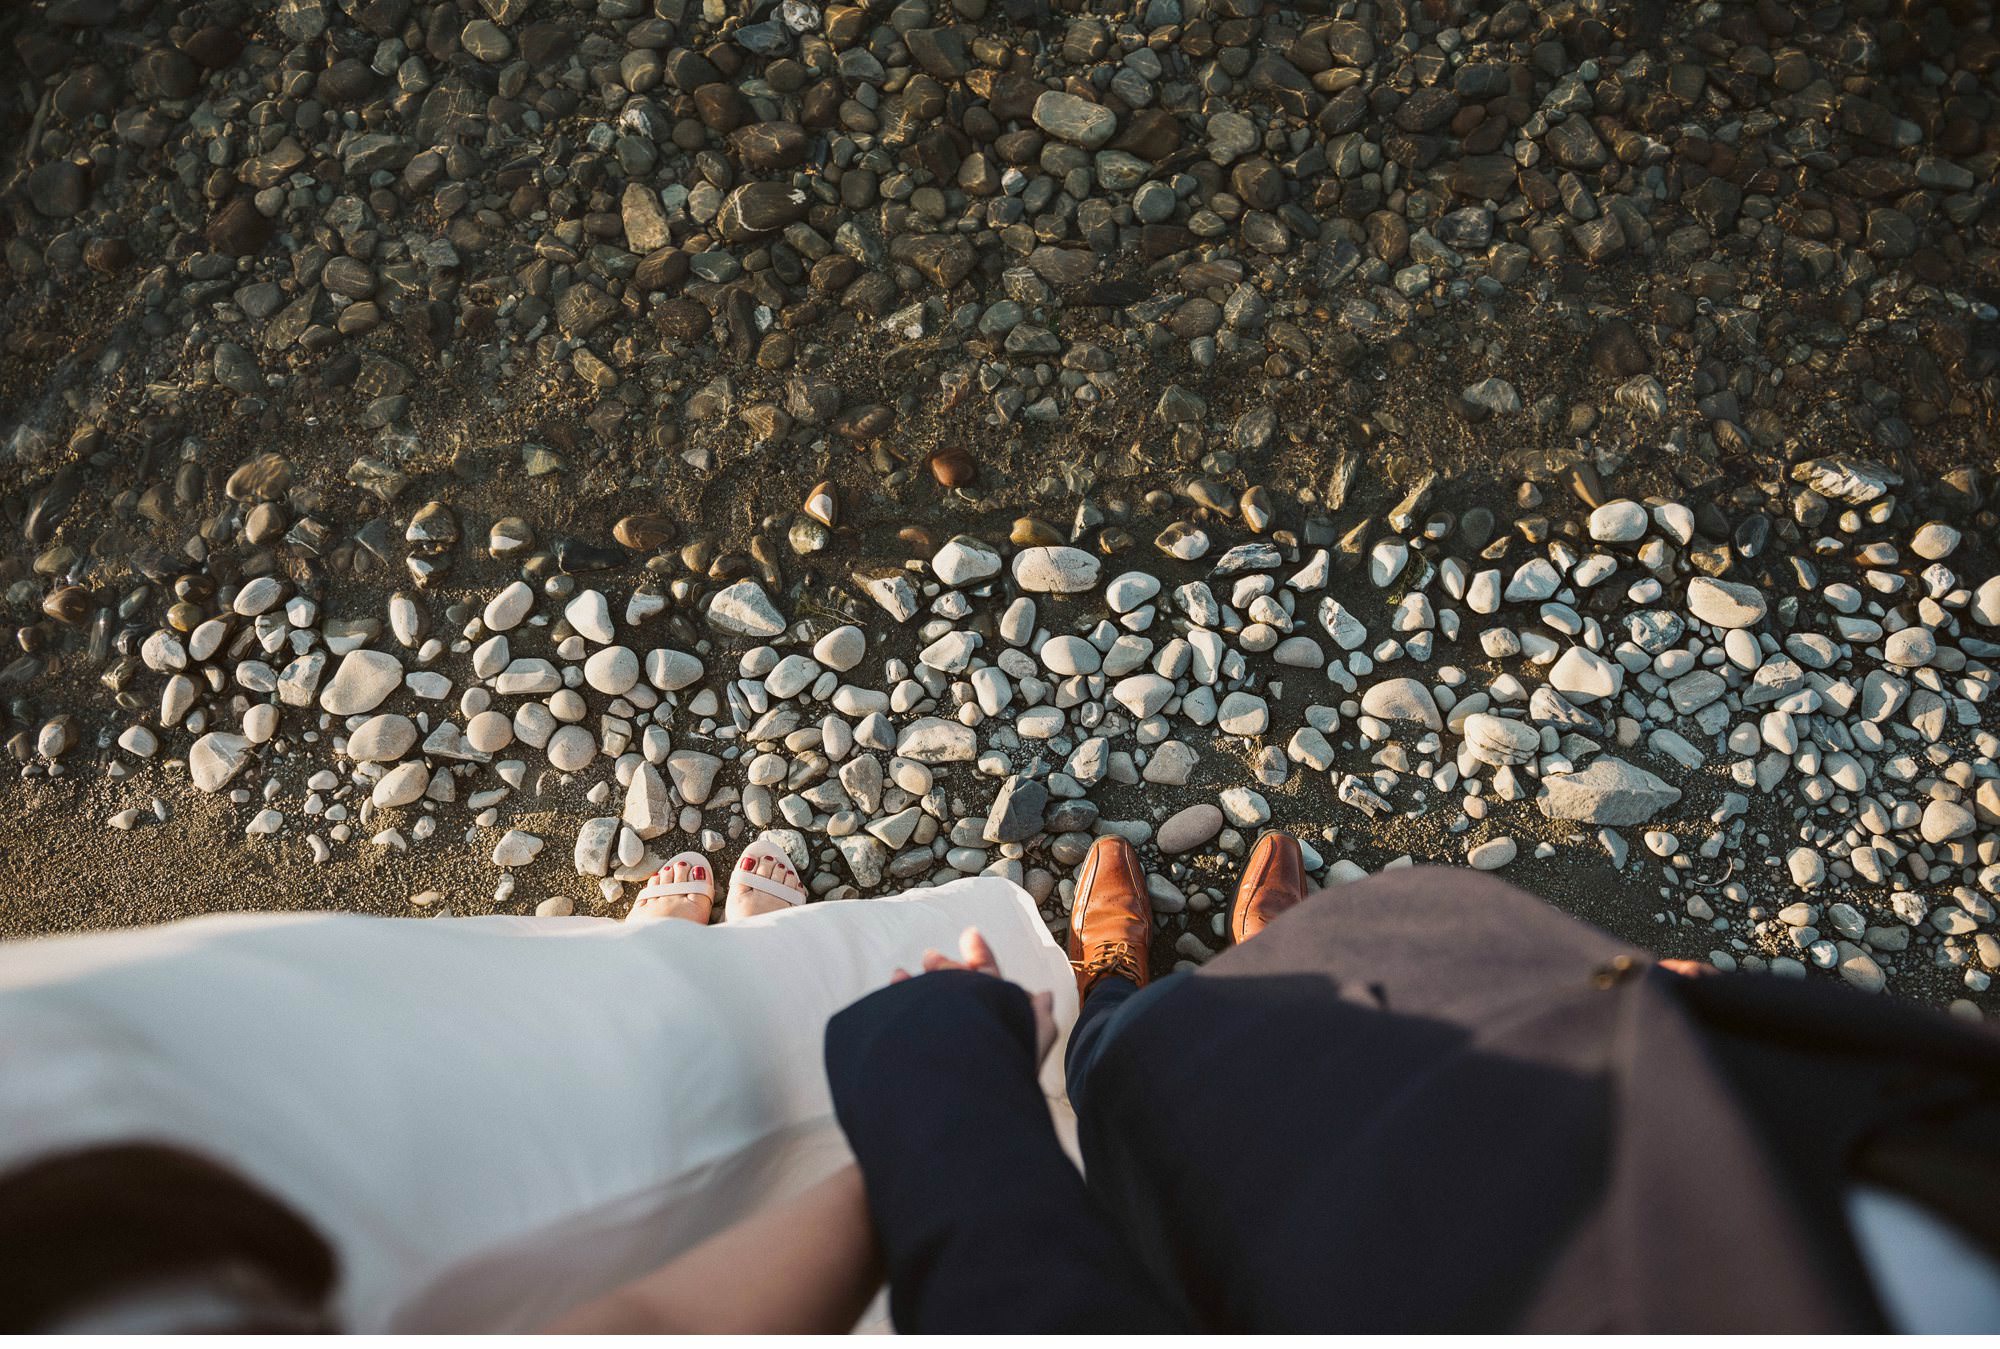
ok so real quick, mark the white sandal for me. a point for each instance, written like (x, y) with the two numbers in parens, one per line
(656, 888)
(748, 879)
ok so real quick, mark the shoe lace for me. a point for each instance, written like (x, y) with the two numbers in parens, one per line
(1112, 957)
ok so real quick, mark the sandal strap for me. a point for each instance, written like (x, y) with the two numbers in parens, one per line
(791, 894)
(663, 889)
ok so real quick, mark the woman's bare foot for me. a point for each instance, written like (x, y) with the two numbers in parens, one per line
(683, 888)
(763, 881)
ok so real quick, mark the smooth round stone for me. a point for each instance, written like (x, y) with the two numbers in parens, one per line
(489, 732)
(1946, 820)
(258, 595)
(964, 560)
(1935, 541)
(506, 609)
(791, 676)
(590, 614)
(1130, 590)
(612, 671)
(260, 723)
(382, 739)
(1726, 604)
(1403, 699)
(1618, 522)
(1243, 714)
(365, 678)
(216, 758)
(669, 671)
(1057, 570)
(1492, 854)
(1299, 653)
(1189, 828)
(1501, 741)
(402, 785)
(1910, 647)
(570, 749)
(1070, 656)
(842, 649)
(1807, 867)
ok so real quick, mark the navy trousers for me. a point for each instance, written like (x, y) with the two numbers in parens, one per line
(985, 1224)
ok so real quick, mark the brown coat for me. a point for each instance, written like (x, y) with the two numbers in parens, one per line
(1429, 1101)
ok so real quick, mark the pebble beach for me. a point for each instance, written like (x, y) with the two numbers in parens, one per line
(457, 454)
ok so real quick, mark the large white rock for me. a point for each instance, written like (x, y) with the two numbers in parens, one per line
(383, 738)
(402, 785)
(1349, 632)
(649, 810)
(1067, 655)
(1583, 676)
(570, 749)
(1130, 590)
(841, 649)
(590, 614)
(515, 849)
(744, 610)
(1402, 699)
(1058, 570)
(670, 671)
(1501, 741)
(365, 678)
(1619, 521)
(612, 670)
(1725, 604)
(965, 560)
(693, 773)
(506, 609)
(1143, 694)
(930, 740)
(216, 758)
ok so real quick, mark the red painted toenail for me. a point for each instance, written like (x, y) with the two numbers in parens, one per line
(749, 864)
(701, 873)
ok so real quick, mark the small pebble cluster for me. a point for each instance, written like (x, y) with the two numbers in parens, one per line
(1597, 692)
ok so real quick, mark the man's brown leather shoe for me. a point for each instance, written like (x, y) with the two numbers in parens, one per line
(1111, 922)
(1273, 881)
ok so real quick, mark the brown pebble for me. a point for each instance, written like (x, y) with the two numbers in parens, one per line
(954, 468)
(644, 533)
(67, 604)
(1028, 532)
(1256, 509)
(823, 504)
(1582, 480)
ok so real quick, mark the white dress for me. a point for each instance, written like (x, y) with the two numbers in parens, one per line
(490, 1119)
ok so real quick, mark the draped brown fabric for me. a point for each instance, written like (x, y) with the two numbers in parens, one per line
(1429, 1101)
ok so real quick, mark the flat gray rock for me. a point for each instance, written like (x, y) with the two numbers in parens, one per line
(1016, 814)
(1189, 829)
(1610, 791)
